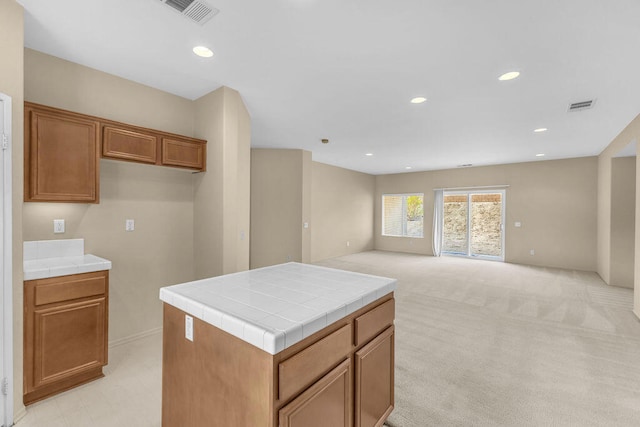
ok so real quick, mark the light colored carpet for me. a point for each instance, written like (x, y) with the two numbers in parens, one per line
(493, 344)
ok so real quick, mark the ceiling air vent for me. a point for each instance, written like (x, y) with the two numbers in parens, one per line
(196, 10)
(584, 105)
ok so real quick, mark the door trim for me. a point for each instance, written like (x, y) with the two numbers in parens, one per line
(6, 376)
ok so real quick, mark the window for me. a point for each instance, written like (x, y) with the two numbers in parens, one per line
(402, 215)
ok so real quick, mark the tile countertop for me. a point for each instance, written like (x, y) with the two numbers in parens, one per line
(274, 307)
(53, 258)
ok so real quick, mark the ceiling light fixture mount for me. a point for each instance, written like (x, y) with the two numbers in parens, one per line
(418, 100)
(540, 155)
(540, 130)
(369, 154)
(509, 76)
(203, 51)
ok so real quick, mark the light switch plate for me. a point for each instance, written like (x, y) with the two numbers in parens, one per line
(129, 225)
(58, 226)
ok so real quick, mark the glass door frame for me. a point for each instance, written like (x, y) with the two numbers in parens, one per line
(469, 193)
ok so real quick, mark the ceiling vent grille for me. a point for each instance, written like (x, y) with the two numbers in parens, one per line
(584, 105)
(195, 10)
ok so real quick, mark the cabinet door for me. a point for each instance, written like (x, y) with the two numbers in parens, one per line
(126, 144)
(326, 403)
(374, 380)
(62, 162)
(183, 153)
(69, 339)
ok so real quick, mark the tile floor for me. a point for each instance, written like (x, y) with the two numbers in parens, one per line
(129, 395)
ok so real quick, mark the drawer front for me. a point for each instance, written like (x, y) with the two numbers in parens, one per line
(373, 322)
(72, 287)
(307, 366)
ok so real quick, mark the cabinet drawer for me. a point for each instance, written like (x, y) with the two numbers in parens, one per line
(373, 322)
(57, 289)
(302, 369)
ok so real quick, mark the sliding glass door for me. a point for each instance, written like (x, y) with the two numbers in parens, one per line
(473, 224)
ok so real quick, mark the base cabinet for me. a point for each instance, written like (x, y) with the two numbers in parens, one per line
(326, 403)
(375, 380)
(65, 334)
(336, 377)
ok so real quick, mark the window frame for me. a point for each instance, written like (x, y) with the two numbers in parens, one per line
(404, 214)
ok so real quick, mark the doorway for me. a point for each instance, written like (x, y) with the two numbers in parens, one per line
(473, 224)
(6, 323)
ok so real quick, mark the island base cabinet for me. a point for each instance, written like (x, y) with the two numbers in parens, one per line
(326, 403)
(215, 379)
(375, 380)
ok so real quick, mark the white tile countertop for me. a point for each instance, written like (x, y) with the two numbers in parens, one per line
(274, 307)
(53, 258)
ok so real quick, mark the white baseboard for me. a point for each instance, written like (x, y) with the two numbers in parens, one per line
(134, 337)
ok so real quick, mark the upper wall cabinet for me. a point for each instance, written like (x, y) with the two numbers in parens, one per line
(125, 142)
(61, 156)
(63, 149)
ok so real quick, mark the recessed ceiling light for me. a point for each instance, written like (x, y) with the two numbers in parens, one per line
(369, 154)
(509, 76)
(408, 167)
(203, 51)
(540, 130)
(418, 100)
(540, 155)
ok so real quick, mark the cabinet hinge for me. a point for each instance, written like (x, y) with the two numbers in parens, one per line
(5, 141)
(5, 386)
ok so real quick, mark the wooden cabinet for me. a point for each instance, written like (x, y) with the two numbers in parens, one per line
(61, 156)
(124, 144)
(326, 403)
(311, 383)
(62, 152)
(65, 332)
(183, 153)
(374, 397)
(136, 144)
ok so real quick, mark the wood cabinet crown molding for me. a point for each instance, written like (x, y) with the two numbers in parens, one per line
(62, 151)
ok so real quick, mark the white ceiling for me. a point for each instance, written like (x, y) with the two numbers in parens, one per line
(346, 69)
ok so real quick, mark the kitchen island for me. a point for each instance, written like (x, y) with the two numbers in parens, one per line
(288, 345)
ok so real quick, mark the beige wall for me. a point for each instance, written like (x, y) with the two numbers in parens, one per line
(160, 200)
(554, 200)
(342, 210)
(288, 189)
(277, 191)
(630, 134)
(11, 83)
(623, 217)
(222, 194)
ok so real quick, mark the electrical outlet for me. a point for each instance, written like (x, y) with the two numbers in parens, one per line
(58, 226)
(532, 252)
(188, 327)
(129, 225)
(348, 243)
